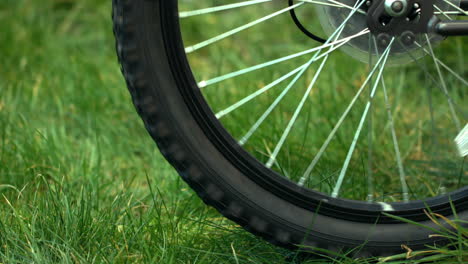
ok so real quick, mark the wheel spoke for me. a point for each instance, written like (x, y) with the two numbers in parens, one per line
(424, 67)
(339, 43)
(401, 169)
(444, 86)
(338, 184)
(305, 96)
(334, 4)
(238, 29)
(444, 66)
(270, 109)
(295, 116)
(370, 175)
(445, 14)
(324, 3)
(436, 83)
(335, 35)
(456, 7)
(452, 72)
(248, 98)
(332, 134)
(220, 8)
(450, 13)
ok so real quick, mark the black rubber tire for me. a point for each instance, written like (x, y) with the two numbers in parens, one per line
(154, 84)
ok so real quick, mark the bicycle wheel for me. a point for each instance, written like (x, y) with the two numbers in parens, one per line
(303, 143)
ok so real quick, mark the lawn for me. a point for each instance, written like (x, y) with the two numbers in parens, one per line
(80, 179)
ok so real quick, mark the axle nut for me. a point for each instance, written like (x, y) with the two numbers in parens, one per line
(396, 8)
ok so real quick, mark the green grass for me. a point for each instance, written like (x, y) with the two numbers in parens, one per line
(80, 179)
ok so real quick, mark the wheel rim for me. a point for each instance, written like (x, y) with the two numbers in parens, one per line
(403, 173)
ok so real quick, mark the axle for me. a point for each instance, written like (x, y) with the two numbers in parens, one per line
(451, 28)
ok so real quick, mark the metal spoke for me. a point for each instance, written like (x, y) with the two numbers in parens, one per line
(338, 184)
(452, 72)
(423, 66)
(270, 109)
(401, 170)
(248, 98)
(304, 98)
(220, 8)
(339, 43)
(444, 86)
(295, 116)
(370, 175)
(451, 13)
(429, 77)
(446, 13)
(456, 7)
(465, 82)
(442, 12)
(238, 29)
(332, 134)
(334, 4)
(322, 3)
(209, 10)
(257, 124)
(277, 101)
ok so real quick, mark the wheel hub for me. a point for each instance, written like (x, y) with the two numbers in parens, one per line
(395, 17)
(408, 21)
